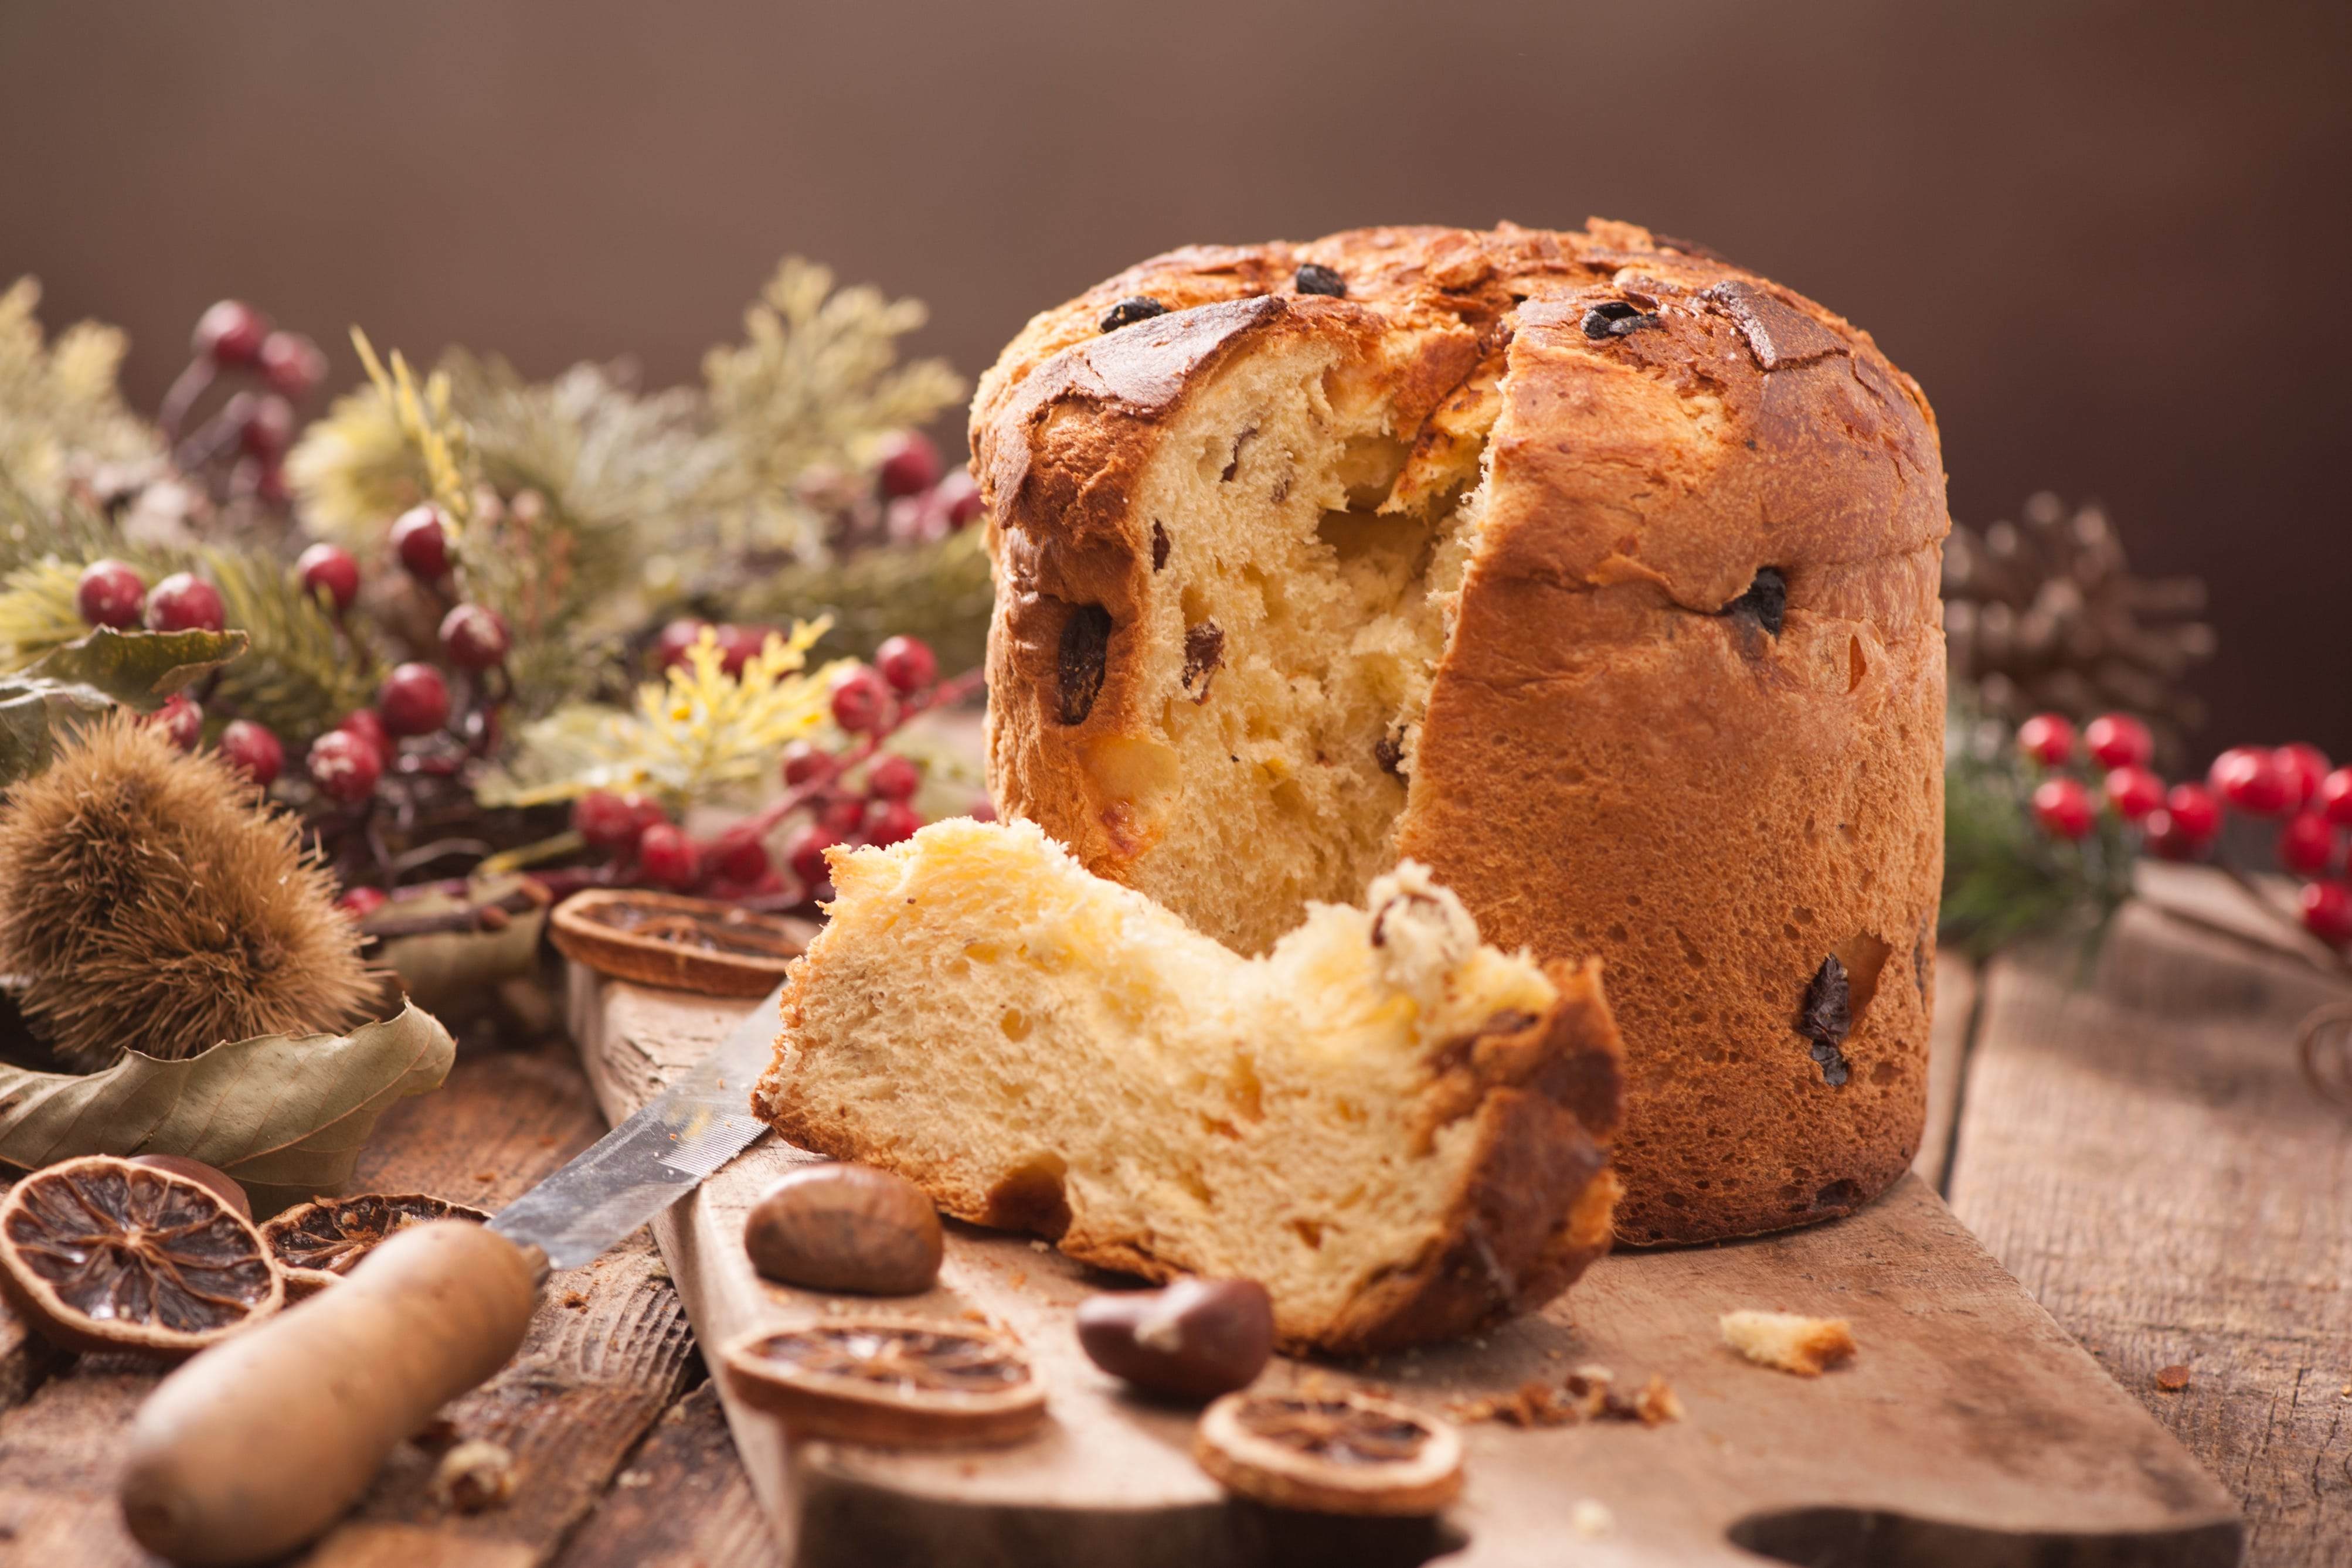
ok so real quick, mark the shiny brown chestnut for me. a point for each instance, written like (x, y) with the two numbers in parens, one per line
(1194, 1340)
(846, 1227)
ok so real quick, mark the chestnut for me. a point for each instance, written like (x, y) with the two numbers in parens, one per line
(846, 1227)
(1193, 1340)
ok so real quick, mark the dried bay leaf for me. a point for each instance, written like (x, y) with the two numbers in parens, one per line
(456, 973)
(75, 683)
(141, 668)
(285, 1114)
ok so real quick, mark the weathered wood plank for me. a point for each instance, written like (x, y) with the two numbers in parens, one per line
(2138, 1146)
(1947, 1050)
(681, 1502)
(608, 1351)
(1970, 1415)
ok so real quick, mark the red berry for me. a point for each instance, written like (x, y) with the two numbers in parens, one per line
(738, 855)
(982, 810)
(911, 463)
(739, 645)
(2165, 839)
(2336, 797)
(269, 485)
(420, 536)
(893, 778)
(413, 700)
(908, 664)
(2248, 779)
(367, 728)
(891, 822)
(615, 823)
(2327, 911)
(265, 426)
(2134, 792)
(2307, 843)
(252, 747)
(230, 333)
(2048, 738)
(292, 364)
(359, 902)
(182, 722)
(2304, 768)
(110, 594)
(957, 498)
(2064, 807)
(669, 857)
(804, 762)
(2120, 740)
(185, 602)
(2195, 815)
(474, 637)
(678, 640)
(860, 699)
(330, 570)
(842, 817)
(345, 767)
(805, 852)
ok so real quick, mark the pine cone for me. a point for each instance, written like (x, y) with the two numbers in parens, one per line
(2043, 615)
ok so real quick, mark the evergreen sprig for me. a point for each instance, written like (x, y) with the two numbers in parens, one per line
(2004, 877)
(815, 382)
(304, 672)
(61, 408)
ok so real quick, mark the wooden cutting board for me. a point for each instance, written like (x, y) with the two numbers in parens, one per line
(1970, 1430)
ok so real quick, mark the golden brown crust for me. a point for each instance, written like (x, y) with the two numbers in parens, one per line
(1529, 1213)
(1610, 764)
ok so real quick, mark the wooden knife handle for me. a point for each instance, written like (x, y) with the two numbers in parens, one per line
(260, 1443)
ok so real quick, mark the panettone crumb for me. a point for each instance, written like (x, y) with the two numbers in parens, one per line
(1790, 1341)
(1586, 1394)
(1590, 1519)
(474, 1476)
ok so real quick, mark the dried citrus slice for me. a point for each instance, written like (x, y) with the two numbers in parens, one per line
(889, 1381)
(317, 1243)
(685, 943)
(1330, 1453)
(102, 1255)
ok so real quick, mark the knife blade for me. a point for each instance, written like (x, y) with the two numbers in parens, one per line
(260, 1443)
(639, 1169)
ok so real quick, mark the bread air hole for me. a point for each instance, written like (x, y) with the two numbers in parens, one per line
(1313, 554)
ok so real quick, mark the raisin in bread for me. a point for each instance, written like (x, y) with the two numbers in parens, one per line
(1396, 1130)
(1587, 569)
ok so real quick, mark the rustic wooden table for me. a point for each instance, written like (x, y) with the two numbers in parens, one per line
(2132, 1138)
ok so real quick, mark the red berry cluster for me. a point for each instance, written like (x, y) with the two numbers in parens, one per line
(2293, 785)
(349, 763)
(855, 794)
(921, 504)
(255, 426)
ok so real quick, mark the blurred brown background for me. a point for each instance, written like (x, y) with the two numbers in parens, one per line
(2110, 239)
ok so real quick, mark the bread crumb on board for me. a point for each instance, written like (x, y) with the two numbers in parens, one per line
(1590, 1519)
(1587, 1394)
(1790, 1342)
(2172, 1379)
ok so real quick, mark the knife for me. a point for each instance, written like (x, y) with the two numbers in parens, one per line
(260, 1443)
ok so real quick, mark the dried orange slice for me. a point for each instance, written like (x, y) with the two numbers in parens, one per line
(890, 1381)
(317, 1243)
(100, 1254)
(685, 943)
(1330, 1453)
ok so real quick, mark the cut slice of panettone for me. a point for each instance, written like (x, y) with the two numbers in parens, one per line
(1397, 1130)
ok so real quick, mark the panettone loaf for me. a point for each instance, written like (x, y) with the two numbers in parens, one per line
(1394, 1129)
(1587, 569)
